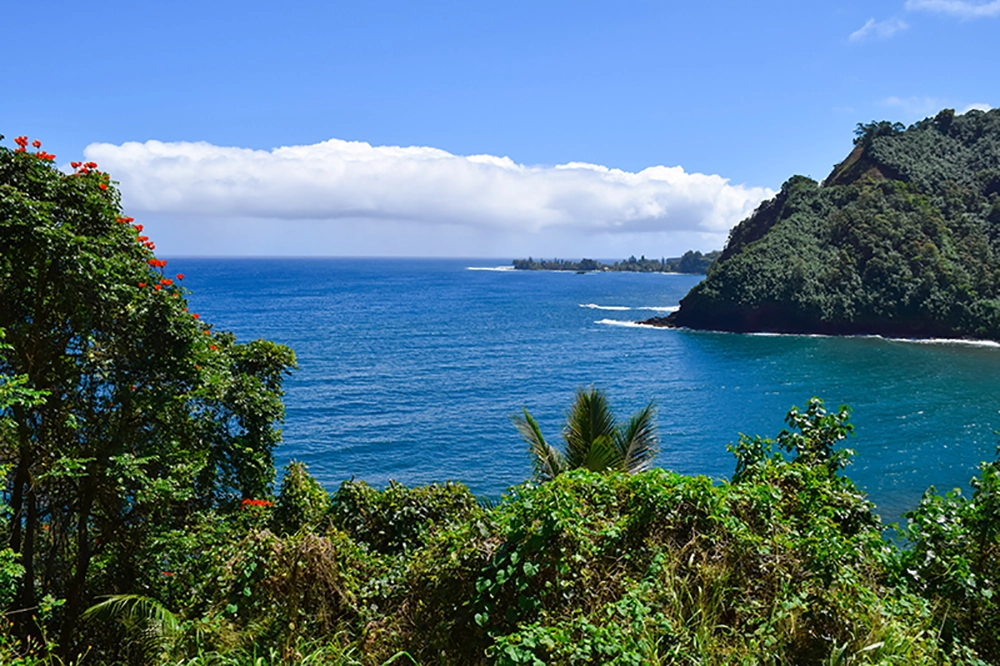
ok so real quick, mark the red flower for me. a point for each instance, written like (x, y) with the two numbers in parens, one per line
(76, 165)
(180, 276)
(142, 239)
(137, 227)
(167, 573)
(36, 143)
(212, 347)
(91, 165)
(141, 285)
(157, 287)
(21, 141)
(103, 186)
(196, 315)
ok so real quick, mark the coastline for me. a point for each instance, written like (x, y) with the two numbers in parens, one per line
(670, 322)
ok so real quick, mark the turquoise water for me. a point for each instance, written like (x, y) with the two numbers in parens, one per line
(410, 370)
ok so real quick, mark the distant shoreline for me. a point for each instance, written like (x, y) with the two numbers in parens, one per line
(692, 262)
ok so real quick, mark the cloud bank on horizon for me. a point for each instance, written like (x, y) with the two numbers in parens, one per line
(419, 186)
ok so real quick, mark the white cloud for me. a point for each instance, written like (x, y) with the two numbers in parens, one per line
(978, 106)
(959, 8)
(878, 29)
(418, 187)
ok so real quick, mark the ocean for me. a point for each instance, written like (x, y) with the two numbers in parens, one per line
(410, 369)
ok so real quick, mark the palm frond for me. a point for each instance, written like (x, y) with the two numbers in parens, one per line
(638, 442)
(147, 621)
(133, 607)
(489, 503)
(603, 455)
(548, 462)
(589, 418)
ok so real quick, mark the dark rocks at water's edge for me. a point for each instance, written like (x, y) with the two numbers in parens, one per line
(901, 240)
(660, 322)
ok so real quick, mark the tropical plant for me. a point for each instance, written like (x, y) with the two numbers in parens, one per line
(147, 624)
(594, 440)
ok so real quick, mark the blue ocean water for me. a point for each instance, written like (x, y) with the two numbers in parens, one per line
(409, 369)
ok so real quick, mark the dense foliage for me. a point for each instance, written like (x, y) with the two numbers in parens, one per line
(141, 525)
(693, 261)
(902, 239)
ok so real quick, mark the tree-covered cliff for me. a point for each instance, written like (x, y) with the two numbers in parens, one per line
(902, 239)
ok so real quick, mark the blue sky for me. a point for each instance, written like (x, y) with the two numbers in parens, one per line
(485, 129)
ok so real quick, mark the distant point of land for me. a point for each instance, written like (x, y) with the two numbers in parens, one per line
(693, 262)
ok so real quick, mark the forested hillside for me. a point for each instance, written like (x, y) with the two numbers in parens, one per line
(902, 239)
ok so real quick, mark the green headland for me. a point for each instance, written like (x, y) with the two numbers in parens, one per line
(901, 239)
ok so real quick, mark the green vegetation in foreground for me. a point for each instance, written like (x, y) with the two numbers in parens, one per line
(902, 239)
(141, 525)
(693, 262)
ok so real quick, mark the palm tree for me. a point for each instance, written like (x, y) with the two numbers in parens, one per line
(594, 440)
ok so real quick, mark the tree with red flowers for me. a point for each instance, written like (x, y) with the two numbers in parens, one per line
(148, 413)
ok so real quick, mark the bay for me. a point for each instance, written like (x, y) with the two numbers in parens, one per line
(409, 369)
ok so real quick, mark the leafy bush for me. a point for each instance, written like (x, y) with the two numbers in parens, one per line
(302, 502)
(954, 560)
(398, 519)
